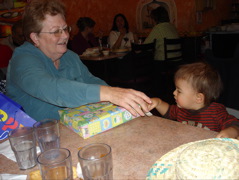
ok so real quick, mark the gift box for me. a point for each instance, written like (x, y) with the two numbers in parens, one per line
(91, 119)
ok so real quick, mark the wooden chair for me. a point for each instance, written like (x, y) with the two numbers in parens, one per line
(137, 48)
(165, 70)
(173, 56)
(173, 49)
(135, 70)
(143, 57)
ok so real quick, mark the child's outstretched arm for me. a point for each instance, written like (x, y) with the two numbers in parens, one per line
(230, 132)
(161, 106)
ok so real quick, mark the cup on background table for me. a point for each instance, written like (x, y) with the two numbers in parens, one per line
(23, 144)
(47, 134)
(106, 52)
(96, 161)
(56, 164)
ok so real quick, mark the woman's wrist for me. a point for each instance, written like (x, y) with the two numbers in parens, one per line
(104, 93)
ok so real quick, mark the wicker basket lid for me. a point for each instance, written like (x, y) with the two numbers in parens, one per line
(216, 158)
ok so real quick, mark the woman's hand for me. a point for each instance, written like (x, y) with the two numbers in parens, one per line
(134, 101)
(122, 32)
(117, 44)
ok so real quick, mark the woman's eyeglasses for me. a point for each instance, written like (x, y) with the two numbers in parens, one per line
(59, 32)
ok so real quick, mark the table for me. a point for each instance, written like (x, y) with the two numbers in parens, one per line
(101, 57)
(98, 65)
(136, 145)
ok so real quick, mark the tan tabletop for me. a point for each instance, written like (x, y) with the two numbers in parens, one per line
(136, 145)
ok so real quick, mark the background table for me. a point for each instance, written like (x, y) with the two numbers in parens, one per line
(101, 57)
(136, 145)
(98, 65)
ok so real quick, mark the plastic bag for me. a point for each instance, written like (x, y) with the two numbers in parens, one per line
(12, 116)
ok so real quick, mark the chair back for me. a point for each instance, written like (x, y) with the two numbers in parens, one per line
(142, 62)
(173, 49)
(135, 70)
(143, 47)
(142, 55)
(165, 70)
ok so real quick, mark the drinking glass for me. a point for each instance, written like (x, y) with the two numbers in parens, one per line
(126, 39)
(56, 164)
(47, 133)
(100, 43)
(106, 46)
(140, 41)
(96, 161)
(23, 144)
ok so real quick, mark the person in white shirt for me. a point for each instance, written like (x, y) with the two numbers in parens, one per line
(120, 37)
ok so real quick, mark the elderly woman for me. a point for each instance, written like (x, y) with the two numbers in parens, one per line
(85, 37)
(43, 76)
(120, 36)
(162, 29)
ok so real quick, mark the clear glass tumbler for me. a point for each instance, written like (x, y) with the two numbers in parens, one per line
(96, 161)
(47, 133)
(23, 144)
(56, 164)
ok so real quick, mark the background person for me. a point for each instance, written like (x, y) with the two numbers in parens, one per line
(8, 44)
(198, 85)
(17, 34)
(84, 38)
(162, 29)
(6, 54)
(120, 36)
(16, 38)
(44, 76)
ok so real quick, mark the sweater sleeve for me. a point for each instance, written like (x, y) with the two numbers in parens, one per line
(152, 36)
(171, 113)
(70, 86)
(225, 119)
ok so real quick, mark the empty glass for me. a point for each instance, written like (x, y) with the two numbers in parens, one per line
(47, 133)
(96, 161)
(23, 144)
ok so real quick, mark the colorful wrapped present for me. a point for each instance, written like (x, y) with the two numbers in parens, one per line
(91, 119)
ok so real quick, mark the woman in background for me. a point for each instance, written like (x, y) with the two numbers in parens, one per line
(162, 29)
(85, 37)
(120, 36)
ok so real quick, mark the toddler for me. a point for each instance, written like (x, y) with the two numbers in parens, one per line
(198, 85)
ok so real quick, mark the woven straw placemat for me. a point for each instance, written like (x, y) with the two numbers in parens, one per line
(216, 158)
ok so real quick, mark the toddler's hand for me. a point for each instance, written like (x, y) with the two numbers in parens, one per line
(155, 102)
(230, 132)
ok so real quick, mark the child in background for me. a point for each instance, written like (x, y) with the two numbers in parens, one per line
(198, 85)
